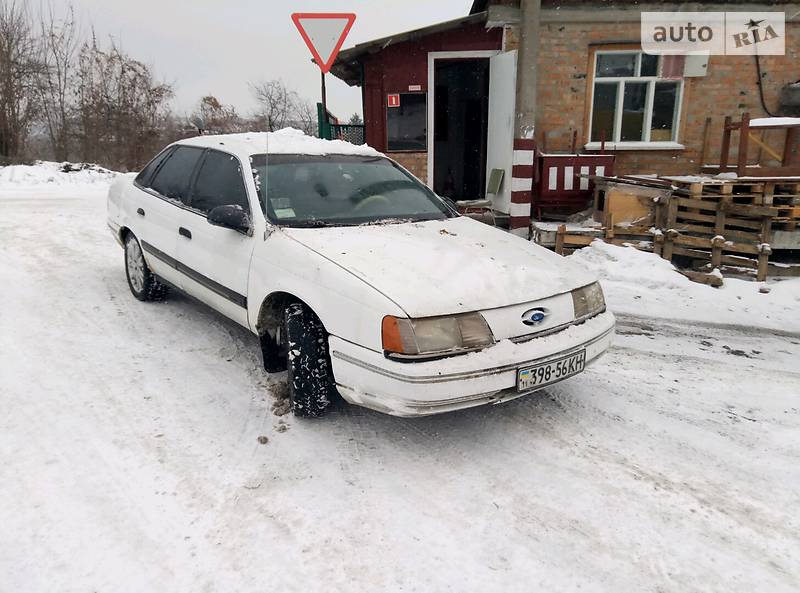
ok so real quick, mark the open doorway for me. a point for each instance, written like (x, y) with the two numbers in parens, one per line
(460, 123)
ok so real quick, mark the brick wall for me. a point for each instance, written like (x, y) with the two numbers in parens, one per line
(729, 88)
(416, 162)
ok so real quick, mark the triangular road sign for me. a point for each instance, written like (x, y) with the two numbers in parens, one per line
(324, 34)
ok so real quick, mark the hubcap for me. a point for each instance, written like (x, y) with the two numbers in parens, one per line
(135, 261)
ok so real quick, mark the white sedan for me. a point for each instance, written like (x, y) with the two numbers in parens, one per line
(356, 277)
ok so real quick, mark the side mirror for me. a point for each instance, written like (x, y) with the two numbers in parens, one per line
(231, 217)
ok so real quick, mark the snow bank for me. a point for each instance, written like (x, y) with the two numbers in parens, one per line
(47, 173)
(640, 283)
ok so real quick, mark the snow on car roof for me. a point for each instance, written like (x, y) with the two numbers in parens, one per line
(285, 141)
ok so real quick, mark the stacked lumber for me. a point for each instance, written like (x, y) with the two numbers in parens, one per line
(786, 198)
(723, 222)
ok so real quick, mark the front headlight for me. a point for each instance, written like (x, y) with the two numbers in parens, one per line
(588, 301)
(435, 336)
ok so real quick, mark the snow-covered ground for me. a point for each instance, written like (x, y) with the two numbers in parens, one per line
(130, 454)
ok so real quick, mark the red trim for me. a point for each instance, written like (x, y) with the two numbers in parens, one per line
(521, 197)
(524, 144)
(324, 65)
(522, 171)
(519, 222)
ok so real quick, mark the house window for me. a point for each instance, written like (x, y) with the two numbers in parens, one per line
(406, 124)
(631, 102)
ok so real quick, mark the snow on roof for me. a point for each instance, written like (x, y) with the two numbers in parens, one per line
(761, 122)
(285, 141)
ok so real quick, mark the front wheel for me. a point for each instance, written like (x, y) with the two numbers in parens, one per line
(142, 282)
(311, 385)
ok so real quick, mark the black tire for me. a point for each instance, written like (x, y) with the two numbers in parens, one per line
(143, 283)
(311, 385)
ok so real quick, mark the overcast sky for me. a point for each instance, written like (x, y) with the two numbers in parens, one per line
(217, 47)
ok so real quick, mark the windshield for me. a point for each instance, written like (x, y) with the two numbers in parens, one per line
(305, 190)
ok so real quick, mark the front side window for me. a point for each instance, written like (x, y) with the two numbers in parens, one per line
(337, 190)
(406, 124)
(630, 101)
(219, 183)
(173, 178)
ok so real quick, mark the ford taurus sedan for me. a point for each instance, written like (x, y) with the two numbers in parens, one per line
(357, 278)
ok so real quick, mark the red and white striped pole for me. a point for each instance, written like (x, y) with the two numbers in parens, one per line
(524, 143)
(522, 186)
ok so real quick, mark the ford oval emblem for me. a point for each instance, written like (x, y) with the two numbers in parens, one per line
(534, 316)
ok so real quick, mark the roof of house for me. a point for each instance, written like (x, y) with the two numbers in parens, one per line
(347, 65)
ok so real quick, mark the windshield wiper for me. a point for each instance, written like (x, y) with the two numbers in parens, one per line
(316, 223)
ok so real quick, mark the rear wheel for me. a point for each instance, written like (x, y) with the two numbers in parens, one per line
(142, 282)
(311, 385)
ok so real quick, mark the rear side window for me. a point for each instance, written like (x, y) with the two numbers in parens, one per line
(219, 183)
(173, 178)
(144, 177)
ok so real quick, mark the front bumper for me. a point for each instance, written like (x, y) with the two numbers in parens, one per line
(367, 378)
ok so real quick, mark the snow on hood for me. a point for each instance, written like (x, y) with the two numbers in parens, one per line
(445, 266)
(643, 284)
(285, 141)
(55, 174)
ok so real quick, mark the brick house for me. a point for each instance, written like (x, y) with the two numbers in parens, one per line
(440, 100)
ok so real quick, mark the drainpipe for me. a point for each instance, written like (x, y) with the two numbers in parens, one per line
(524, 143)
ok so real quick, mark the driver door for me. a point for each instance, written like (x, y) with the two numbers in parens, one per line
(215, 261)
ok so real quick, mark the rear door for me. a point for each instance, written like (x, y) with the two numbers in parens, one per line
(215, 261)
(163, 195)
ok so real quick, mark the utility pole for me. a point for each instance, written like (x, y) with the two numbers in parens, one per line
(525, 123)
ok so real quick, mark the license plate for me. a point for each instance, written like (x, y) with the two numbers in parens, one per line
(550, 372)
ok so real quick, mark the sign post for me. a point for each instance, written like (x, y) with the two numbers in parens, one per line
(324, 34)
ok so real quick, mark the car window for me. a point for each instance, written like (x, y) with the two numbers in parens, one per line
(172, 179)
(308, 190)
(219, 183)
(143, 178)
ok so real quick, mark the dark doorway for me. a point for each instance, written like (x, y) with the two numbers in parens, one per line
(461, 113)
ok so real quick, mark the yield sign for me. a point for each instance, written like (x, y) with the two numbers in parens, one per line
(324, 34)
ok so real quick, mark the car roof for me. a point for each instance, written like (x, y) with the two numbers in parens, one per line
(285, 141)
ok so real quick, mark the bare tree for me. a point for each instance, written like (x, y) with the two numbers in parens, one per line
(60, 40)
(121, 108)
(305, 117)
(276, 104)
(19, 68)
(279, 107)
(212, 116)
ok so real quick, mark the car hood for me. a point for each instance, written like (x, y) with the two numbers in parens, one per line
(445, 266)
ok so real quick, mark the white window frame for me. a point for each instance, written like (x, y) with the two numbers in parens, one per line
(614, 143)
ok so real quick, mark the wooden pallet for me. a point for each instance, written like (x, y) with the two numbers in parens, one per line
(718, 251)
(724, 222)
(641, 238)
(568, 242)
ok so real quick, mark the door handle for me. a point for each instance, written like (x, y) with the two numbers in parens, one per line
(185, 232)
(140, 212)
